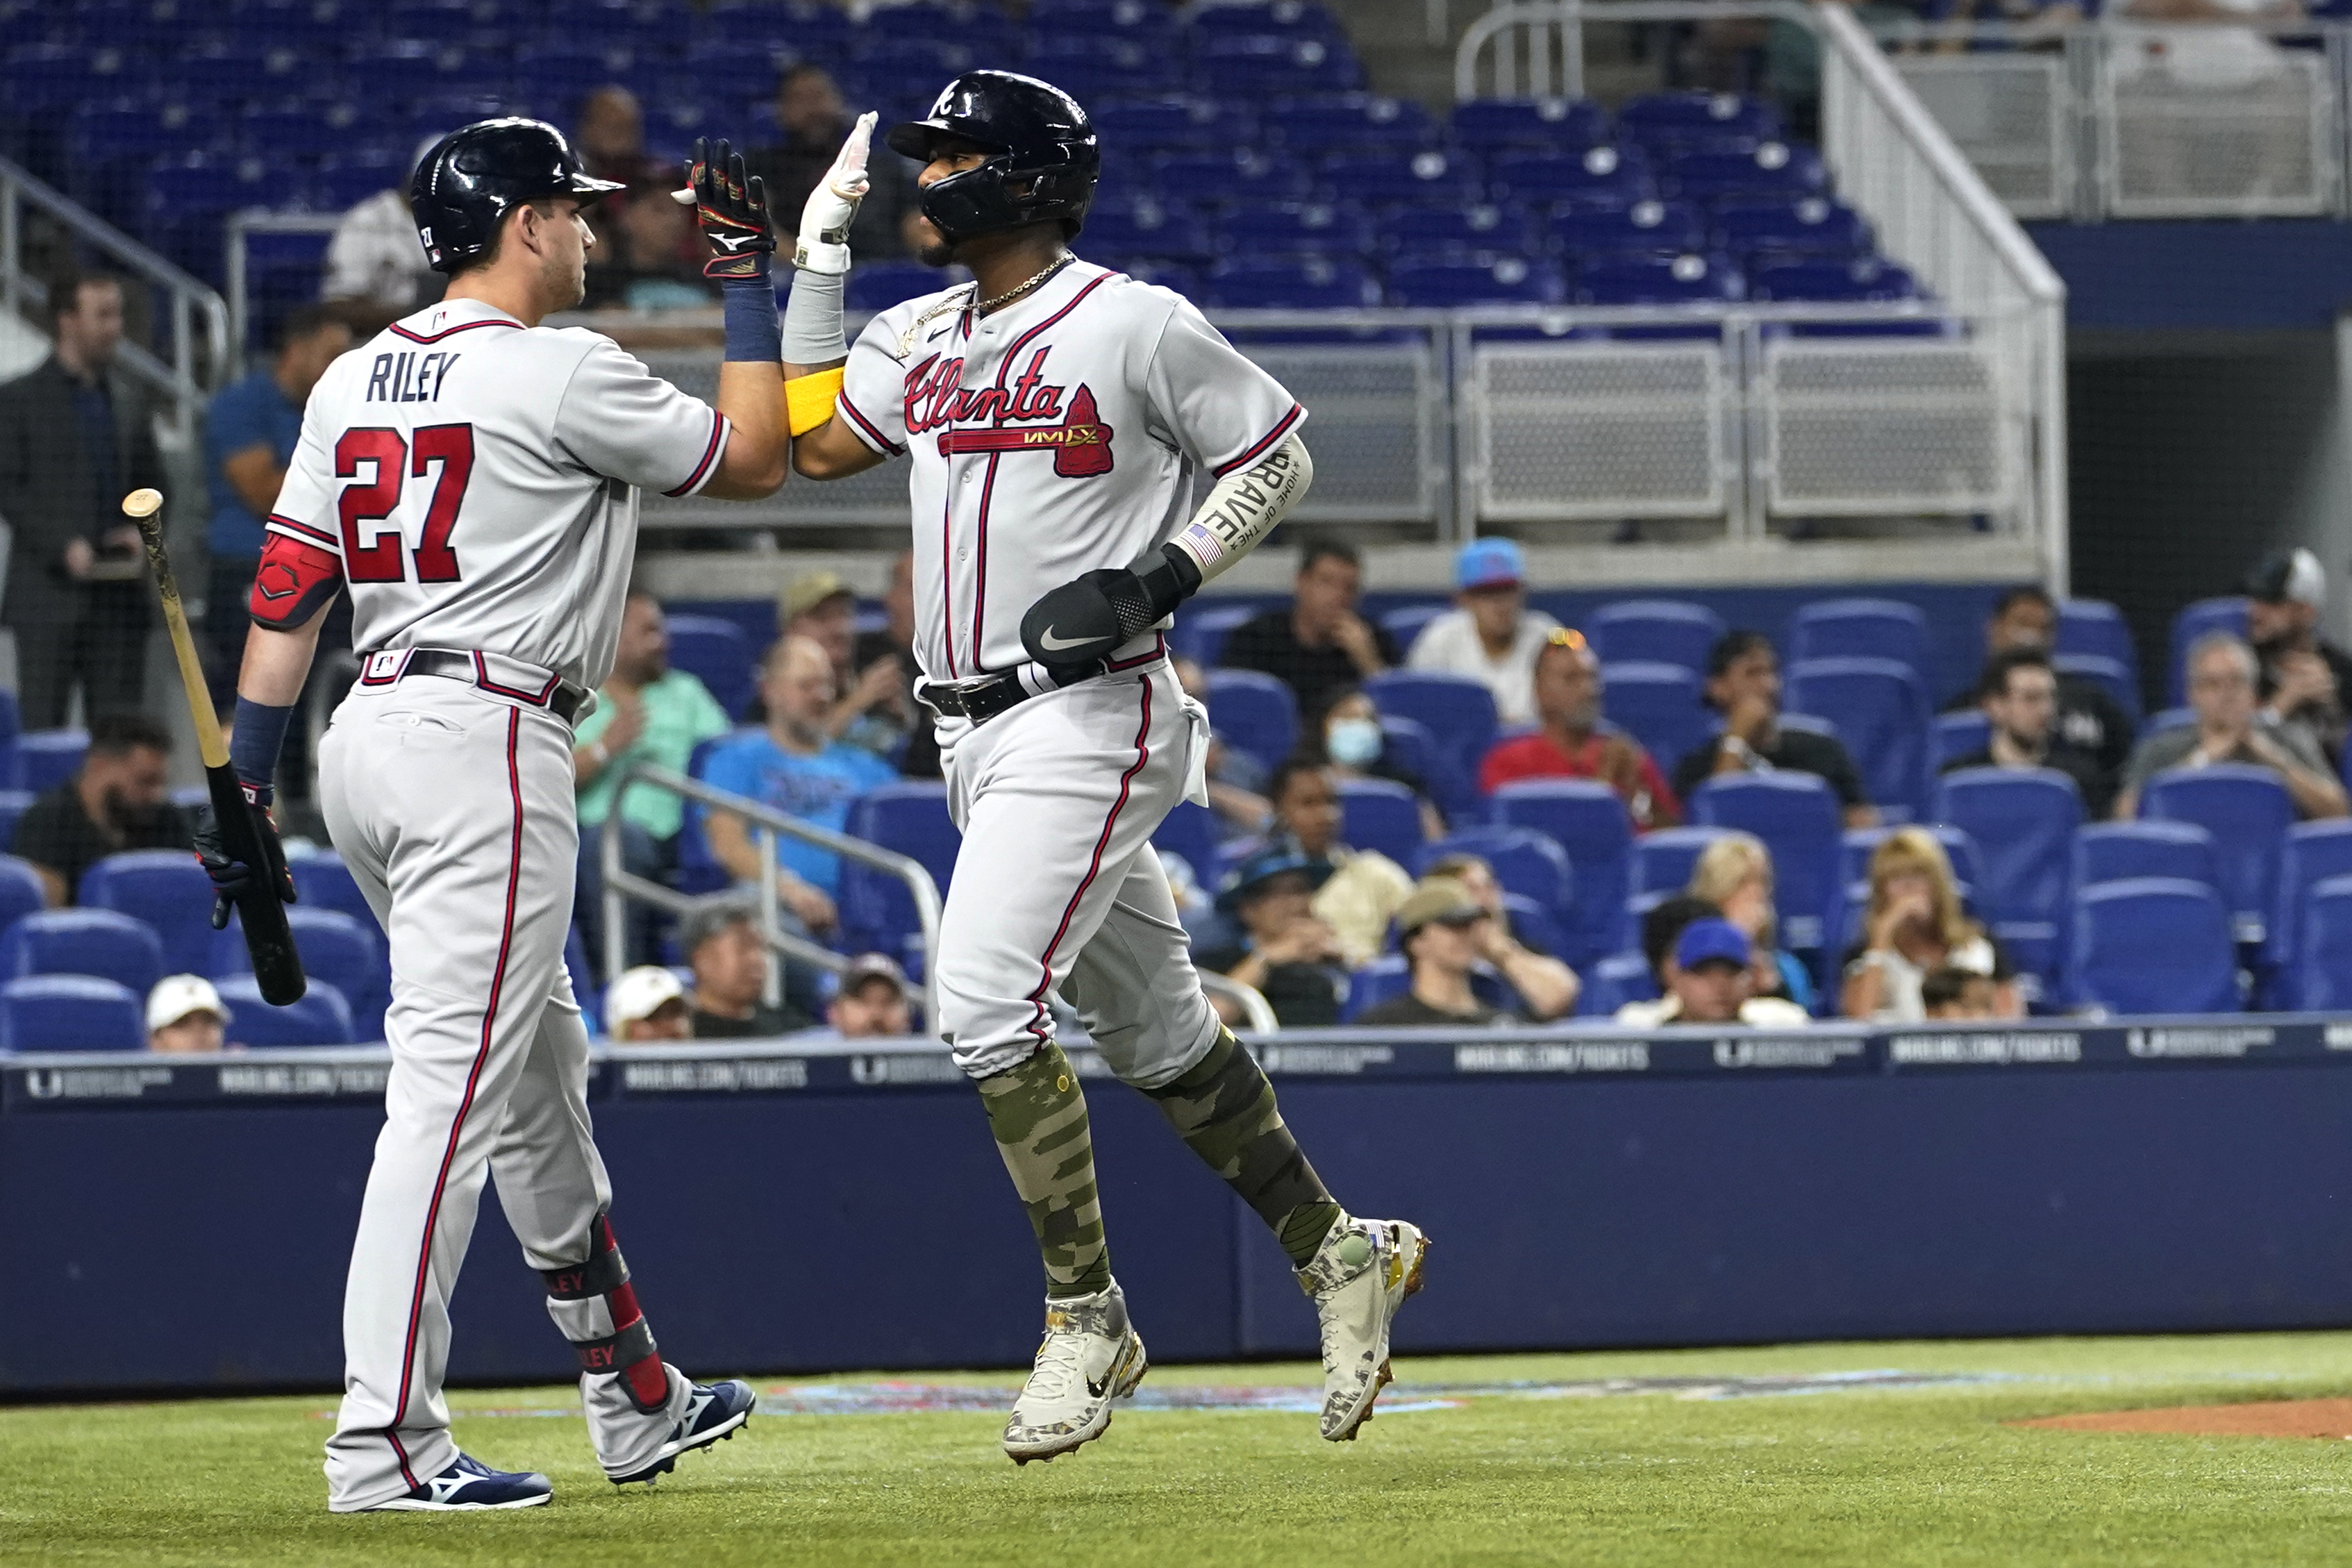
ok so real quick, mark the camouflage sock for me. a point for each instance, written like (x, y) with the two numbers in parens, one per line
(1224, 1109)
(1039, 1115)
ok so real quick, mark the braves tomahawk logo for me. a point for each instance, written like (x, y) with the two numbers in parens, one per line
(1009, 419)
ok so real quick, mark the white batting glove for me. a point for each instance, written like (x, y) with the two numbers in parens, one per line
(824, 221)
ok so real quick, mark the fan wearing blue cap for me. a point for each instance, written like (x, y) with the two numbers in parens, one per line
(1490, 635)
(1709, 978)
(1287, 954)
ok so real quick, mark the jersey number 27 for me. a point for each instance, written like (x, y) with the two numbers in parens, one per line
(372, 548)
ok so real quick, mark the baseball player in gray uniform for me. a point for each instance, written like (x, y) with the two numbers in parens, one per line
(1055, 416)
(471, 479)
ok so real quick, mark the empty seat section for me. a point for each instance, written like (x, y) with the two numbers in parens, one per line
(878, 913)
(1653, 631)
(322, 1016)
(169, 892)
(1862, 628)
(2022, 823)
(1459, 714)
(1880, 709)
(2247, 811)
(1375, 814)
(71, 1013)
(2153, 944)
(1586, 819)
(1660, 705)
(102, 943)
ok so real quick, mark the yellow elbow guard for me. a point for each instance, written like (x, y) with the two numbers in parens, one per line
(808, 400)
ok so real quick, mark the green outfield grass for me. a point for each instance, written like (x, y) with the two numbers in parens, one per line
(1882, 1476)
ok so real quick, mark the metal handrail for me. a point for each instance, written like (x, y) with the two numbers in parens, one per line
(1255, 1008)
(621, 885)
(187, 380)
(236, 264)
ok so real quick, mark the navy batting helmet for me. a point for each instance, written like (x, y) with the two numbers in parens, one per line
(464, 188)
(1043, 157)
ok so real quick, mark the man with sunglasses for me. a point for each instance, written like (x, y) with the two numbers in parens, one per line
(1572, 744)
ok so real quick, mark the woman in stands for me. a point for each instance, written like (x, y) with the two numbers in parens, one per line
(1348, 739)
(1912, 926)
(1735, 875)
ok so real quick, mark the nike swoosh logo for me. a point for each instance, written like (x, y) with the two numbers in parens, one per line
(1095, 1385)
(1052, 644)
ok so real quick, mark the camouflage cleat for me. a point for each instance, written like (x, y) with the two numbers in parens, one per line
(1359, 1277)
(1091, 1356)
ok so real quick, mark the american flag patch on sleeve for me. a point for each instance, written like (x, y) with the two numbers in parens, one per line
(1205, 545)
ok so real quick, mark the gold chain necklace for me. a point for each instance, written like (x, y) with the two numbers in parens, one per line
(966, 298)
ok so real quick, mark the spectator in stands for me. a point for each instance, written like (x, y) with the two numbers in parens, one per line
(1490, 635)
(794, 766)
(1572, 744)
(376, 272)
(1734, 874)
(1289, 955)
(871, 1000)
(186, 1016)
(822, 608)
(2305, 676)
(75, 436)
(646, 270)
(1912, 926)
(1237, 780)
(1359, 891)
(1958, 994)
(1440, 930)
(2089, 720)
(1710, 978)
(1346, 737)
(1743, 684)
(611, 138)
(645, 712)
(1320, 643)
(894, 647)
(646, 1006)
(1662, 924)
(120, 799)
(720, 938)
(2230, 728)
(2018, 694)
(1547, 988)
(815, 122)
(250, 428)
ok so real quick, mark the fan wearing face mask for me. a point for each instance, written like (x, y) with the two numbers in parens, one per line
(1356, 748)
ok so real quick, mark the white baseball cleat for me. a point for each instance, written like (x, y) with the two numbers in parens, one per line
(1091, 1356)
(1357, 1279)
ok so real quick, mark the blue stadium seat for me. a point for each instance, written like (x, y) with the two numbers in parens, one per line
(716, 653)
(1881, 709)
(1811, 226)
(1585, 818)
(2022, 822)
(2310, 854)
(2153, 944)
(1620, 978)
(1255, 713)
(2164, 719)
(1380, 815)
(1658, 280)
(1353, 122)
(1525, 862)
(876, 912)
(1289, 283)
(21, 892)
(1442, 230)
(45, 759)
(409, 67)
(1653, 631)
(257, 64)
(1267, 63)
(1797, 816)
(1100, 67)
(322, 881)
(1189, 830)
(1406, 622)
(322, 1016)
(1429, 178)
(135, 129)
(2111, 676)
(344, 953)
(1697, 119)
(71, 1013)
(1596, 177)
(1475, 280)
(1767, 169)
(2122, 851)
(1960, 734)
(1265, 19)
(1534, 125)
(1645, 228)
(1299, 228)
(83, 942)
(1132, 126)
(1839, 281)
(1242, 176)
(1661, 705)
(1663, 860)
(2222, 615)
(2248, 812)
(1857, 845)
(879, 285)
(1861, 628)
(1171, 275)
(1409, 745)
(13, 804)
(1459, 714)
(2094, 626)
(2320, 978)
(1386, 976)
(164, 888)
(1200, 633)
(1148, 228)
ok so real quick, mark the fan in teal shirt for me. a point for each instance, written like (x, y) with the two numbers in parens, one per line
(663, 713)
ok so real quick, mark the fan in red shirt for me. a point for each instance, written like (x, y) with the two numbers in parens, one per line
(1572, 745)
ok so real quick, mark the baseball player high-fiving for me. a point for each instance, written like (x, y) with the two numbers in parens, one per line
(471, 479)
(1054, 417)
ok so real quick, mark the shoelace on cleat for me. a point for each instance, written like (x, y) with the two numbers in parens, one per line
(1060, 1360)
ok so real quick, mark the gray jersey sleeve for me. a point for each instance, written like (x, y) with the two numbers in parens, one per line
(619, 419)
(873, 400)
(1209, 401)
(306, 501)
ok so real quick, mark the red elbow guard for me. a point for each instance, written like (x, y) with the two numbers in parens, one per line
(296, 580)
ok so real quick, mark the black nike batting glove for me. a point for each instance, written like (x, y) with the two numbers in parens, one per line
(1086, 621)
(733, 212)
(231, 878)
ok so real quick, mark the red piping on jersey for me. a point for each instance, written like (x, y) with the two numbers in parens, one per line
(863, 423)
(1102, 842)
(1271, 437)
(1159, 648)
(536, 698)
(464, 1105)
(460, 327)
(710, 455)
(947, 578)
(308, 532)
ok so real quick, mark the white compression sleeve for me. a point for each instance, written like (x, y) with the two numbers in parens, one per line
(1242, 508)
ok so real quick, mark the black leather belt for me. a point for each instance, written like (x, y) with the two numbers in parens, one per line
(988, 695)
(560, 698)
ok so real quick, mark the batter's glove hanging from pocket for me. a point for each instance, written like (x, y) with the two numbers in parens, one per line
(1086, 621)
(732, 209)
(231, 879)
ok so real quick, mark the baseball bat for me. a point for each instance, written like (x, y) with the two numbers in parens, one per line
(277, 967)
